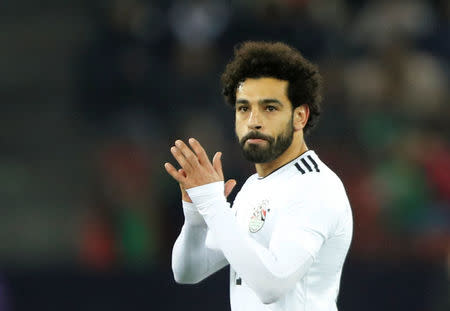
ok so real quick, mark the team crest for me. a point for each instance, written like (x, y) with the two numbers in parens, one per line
(258, 217)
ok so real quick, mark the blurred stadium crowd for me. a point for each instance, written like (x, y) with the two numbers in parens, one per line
(149, 72)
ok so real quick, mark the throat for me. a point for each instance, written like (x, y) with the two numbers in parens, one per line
(294, 151)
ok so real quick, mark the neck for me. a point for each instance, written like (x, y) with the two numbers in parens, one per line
(297, 148)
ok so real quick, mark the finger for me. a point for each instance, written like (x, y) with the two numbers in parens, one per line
(199, 151)
(217, 164)
(229, 186)
(174, 173)
(180, 158)
(190, 156)
(184, 195)
(182, 172)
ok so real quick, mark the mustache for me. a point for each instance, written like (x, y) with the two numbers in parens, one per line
(256, 135)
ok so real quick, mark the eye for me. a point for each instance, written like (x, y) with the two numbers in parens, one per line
(271, 108)
(242, 108)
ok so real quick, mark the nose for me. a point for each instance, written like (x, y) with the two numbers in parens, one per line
(254, 122)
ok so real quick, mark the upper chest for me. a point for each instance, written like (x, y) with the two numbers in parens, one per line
(257, 209)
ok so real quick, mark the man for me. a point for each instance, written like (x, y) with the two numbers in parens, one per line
(289, 229)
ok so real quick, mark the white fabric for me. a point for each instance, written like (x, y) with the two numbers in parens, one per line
(191, 260)
(293, 258)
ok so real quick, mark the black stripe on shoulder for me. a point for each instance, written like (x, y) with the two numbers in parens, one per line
(307, 165)
(299, 168)
(316, 167)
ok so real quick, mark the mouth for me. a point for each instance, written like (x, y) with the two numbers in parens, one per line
(256, 141)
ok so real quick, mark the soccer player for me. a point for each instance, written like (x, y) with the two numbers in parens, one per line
(289, 229)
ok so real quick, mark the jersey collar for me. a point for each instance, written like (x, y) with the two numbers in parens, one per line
(285, 166)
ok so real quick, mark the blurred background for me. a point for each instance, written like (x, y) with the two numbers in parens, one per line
(93, 94)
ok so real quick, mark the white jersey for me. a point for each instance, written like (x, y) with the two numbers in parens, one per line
(285, 238)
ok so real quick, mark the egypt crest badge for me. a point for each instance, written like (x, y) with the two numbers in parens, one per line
(258, 217)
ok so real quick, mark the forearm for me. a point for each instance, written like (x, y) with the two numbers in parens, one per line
(192, 261)
(270, 274)
(188, 255)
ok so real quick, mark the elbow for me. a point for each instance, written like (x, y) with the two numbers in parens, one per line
(180, 272)
(184, 281)
(270, 295)
(269, 299)
(184, 278)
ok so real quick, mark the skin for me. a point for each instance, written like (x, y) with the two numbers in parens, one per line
(261, 105)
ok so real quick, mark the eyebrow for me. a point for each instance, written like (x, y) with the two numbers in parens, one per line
(270, 101)
(261, 101)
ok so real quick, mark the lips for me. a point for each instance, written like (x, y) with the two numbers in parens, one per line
(256, 140)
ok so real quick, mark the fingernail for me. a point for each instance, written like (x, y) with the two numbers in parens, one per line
(191, 140)
(177, 142)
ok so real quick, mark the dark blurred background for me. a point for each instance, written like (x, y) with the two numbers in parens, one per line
(93, 94)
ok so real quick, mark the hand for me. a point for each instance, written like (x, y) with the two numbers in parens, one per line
(229, 186)
(194, 165)
(184, 195)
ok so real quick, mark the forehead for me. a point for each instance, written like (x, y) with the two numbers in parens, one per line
(262, 88)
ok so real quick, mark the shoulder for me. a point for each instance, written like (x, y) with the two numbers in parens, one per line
(310, 170)
(311, 182)
(316, 201)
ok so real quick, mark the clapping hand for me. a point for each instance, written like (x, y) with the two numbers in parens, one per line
(196, 169)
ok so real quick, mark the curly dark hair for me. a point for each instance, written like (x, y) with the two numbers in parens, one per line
(280, 61)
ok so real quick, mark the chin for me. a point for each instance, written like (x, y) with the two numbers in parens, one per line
(254, 148)
(257, 155)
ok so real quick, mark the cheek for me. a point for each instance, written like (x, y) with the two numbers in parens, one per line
(239, 124)
(238, 129)
(283, 125)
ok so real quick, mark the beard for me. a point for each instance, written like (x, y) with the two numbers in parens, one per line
(273, 149)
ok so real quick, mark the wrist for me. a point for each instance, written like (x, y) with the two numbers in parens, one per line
(185, 197)
(203, 196)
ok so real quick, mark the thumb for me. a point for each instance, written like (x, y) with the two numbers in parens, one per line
(217, 164)
(229, 186)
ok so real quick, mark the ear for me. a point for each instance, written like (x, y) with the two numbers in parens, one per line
(301, 116)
